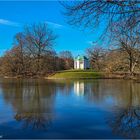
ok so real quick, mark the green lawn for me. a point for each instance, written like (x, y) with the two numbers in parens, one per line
(76, 74)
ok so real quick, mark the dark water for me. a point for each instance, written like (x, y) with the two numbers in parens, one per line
(69, 109)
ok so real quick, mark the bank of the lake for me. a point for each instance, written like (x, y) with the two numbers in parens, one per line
(79, 74)
(85, 74)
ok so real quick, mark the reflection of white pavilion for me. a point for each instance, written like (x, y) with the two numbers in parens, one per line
(79, 88)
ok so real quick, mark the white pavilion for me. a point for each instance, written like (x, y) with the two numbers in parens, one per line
(81, 62)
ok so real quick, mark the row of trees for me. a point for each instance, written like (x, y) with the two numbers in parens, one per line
(125, 56)
(33, 54)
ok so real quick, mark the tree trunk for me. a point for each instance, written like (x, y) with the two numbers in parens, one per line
(131, 68)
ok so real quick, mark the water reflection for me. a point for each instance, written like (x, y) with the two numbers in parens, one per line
(33, 100)
(79, 88)
(125, 103)
(126, 118)
(34, 103)
(127, 122)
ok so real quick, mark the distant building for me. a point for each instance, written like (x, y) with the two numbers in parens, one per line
(81, 62)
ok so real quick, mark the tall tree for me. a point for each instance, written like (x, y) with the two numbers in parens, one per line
(39, 42)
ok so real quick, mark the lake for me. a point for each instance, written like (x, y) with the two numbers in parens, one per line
(69, 109)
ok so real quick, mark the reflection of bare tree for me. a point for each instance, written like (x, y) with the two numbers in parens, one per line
(33, 112)
(32, 101)
(126, 120)
(64, 86)
(37, 121)
(126, 97)
(97, 91)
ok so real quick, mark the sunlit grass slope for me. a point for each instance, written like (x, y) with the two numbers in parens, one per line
(76, 74)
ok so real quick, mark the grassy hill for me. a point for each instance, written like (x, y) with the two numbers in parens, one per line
(76, 74)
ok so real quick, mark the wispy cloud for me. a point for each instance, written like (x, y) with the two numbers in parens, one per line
(54, 25)
(9, 23)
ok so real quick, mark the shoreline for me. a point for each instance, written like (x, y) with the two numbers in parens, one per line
(93, 75)
(102, 75)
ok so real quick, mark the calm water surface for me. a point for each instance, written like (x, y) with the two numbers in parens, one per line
(69, 109)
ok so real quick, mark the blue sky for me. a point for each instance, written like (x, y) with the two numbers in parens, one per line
(14, 15)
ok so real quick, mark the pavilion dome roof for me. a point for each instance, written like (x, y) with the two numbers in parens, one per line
(80, 57)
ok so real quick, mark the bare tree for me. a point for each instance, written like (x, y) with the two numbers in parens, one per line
(67, 57)
(96, 55)
(20, 52)
(31, 53)
(11, 62)
(129, 43)
(115, 61)
(91, 13)
(39, 42)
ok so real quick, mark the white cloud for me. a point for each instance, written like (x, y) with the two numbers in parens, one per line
(9, 23)
(16, 24)
(54, 25)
